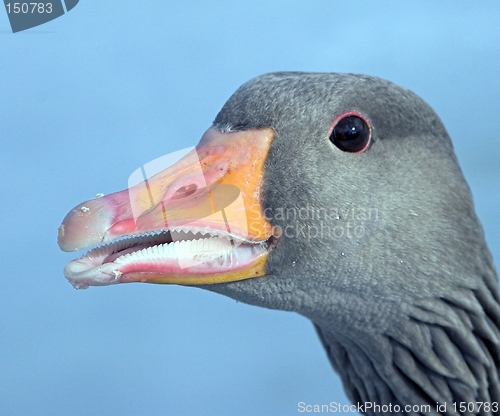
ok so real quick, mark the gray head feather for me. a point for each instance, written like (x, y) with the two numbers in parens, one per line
(388, 258)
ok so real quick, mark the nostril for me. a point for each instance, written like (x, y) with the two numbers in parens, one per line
(185, 191)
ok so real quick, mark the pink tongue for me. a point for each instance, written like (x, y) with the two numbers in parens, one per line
(112, 257)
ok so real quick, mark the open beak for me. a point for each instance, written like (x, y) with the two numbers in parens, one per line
(198, 221)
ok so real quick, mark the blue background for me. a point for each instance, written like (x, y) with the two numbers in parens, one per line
(93, 95)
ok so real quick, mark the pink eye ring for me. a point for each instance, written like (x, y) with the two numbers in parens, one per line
(351, 132)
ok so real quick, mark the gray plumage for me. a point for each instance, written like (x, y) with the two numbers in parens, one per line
(407, 308)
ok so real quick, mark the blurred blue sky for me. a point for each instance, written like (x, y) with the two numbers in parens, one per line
(91, 96)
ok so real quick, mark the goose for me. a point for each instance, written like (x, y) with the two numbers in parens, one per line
(336, 196)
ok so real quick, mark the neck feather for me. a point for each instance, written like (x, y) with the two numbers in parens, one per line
(443, 351)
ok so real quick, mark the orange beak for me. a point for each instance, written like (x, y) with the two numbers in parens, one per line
(197, 221)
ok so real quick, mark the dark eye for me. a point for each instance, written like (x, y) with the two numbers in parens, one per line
(351, 133)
